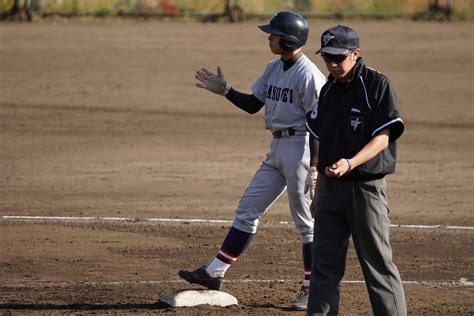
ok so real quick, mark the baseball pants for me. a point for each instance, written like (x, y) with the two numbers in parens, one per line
(286, 166)
(360, 208)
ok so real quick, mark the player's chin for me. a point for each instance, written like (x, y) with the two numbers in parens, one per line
(337, 74)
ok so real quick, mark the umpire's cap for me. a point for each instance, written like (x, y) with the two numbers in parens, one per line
(338, 40)
(291, 26)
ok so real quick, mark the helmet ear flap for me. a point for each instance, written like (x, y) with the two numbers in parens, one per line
(289, 42)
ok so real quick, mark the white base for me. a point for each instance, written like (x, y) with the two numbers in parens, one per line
(188, 298)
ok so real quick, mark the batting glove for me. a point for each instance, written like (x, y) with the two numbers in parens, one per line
(310, 182)
(212, 82)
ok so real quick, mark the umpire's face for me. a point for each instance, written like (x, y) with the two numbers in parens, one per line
(340, 66)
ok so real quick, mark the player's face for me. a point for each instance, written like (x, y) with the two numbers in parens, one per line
(340, 66)
(274, 42)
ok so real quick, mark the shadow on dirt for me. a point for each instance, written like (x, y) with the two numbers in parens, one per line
(85, 307)
(272, 306)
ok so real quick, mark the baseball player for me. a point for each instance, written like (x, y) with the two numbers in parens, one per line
(357, 124)
(287, 89)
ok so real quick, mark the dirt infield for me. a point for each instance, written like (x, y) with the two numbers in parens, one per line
(102, 119)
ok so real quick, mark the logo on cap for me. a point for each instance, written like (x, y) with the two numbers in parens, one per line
(327, 37)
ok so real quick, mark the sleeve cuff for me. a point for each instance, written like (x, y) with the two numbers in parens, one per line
(396, 129)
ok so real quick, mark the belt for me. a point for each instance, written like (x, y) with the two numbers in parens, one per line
(287, 132)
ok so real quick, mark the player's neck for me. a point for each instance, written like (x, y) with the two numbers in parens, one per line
(287, 64)
(291, 55)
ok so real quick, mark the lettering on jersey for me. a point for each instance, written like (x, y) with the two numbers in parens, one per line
(279, 94)
(356, 124)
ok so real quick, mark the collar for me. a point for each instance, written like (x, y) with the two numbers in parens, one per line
(356, 72)
(290, 62)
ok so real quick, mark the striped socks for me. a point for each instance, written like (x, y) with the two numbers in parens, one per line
(307, 262)
(234, 245)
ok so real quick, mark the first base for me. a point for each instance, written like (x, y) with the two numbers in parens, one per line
(188, 298)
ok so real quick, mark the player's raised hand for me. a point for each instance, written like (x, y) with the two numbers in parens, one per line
(215, 83)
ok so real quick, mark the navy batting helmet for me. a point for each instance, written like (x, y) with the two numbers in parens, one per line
(292, 27)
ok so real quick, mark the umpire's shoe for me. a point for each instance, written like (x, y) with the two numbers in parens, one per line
(200, 276)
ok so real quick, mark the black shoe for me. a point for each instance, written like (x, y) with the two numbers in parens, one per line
(200, 276)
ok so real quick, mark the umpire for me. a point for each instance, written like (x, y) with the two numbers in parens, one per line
(357, 124)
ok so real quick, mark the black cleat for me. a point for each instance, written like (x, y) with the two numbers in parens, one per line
(200, 276)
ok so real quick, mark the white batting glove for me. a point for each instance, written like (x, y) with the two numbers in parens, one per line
(310, 182)
(212, 82)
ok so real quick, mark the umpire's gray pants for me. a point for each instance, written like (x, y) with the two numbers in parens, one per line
(360, 208)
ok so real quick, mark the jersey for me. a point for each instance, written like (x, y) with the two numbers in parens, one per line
(350, 115)
(288, 94)
(289, 91)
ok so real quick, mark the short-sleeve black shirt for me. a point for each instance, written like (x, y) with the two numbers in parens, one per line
(350, 114)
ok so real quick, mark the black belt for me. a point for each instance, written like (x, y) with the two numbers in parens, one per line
(287, 132)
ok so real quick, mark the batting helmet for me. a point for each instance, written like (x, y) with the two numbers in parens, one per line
(292, 27)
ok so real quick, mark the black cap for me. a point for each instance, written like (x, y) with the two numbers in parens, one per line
(338, 40)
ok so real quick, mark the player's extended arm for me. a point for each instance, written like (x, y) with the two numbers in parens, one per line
(369, 151)
(218, 84)
(213, 82)
(247, 102)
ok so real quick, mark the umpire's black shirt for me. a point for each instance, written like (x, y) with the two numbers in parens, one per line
(350, 114)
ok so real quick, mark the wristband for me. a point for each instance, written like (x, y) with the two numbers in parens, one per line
(349, 164)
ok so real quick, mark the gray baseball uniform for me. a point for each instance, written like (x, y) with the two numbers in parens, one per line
(288, 89)
(288, 95)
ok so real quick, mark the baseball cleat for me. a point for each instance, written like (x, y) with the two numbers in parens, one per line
(301, 302)
(200, 276)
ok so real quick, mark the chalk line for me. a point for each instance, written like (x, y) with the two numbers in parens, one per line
(44, 285)
(28, 218)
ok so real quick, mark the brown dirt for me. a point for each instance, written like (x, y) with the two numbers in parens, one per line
(102, 119)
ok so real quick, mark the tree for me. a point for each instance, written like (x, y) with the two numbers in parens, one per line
(20, 11)
(234, 11)
(437, 11)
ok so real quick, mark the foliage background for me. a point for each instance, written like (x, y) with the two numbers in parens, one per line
(363, 8)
